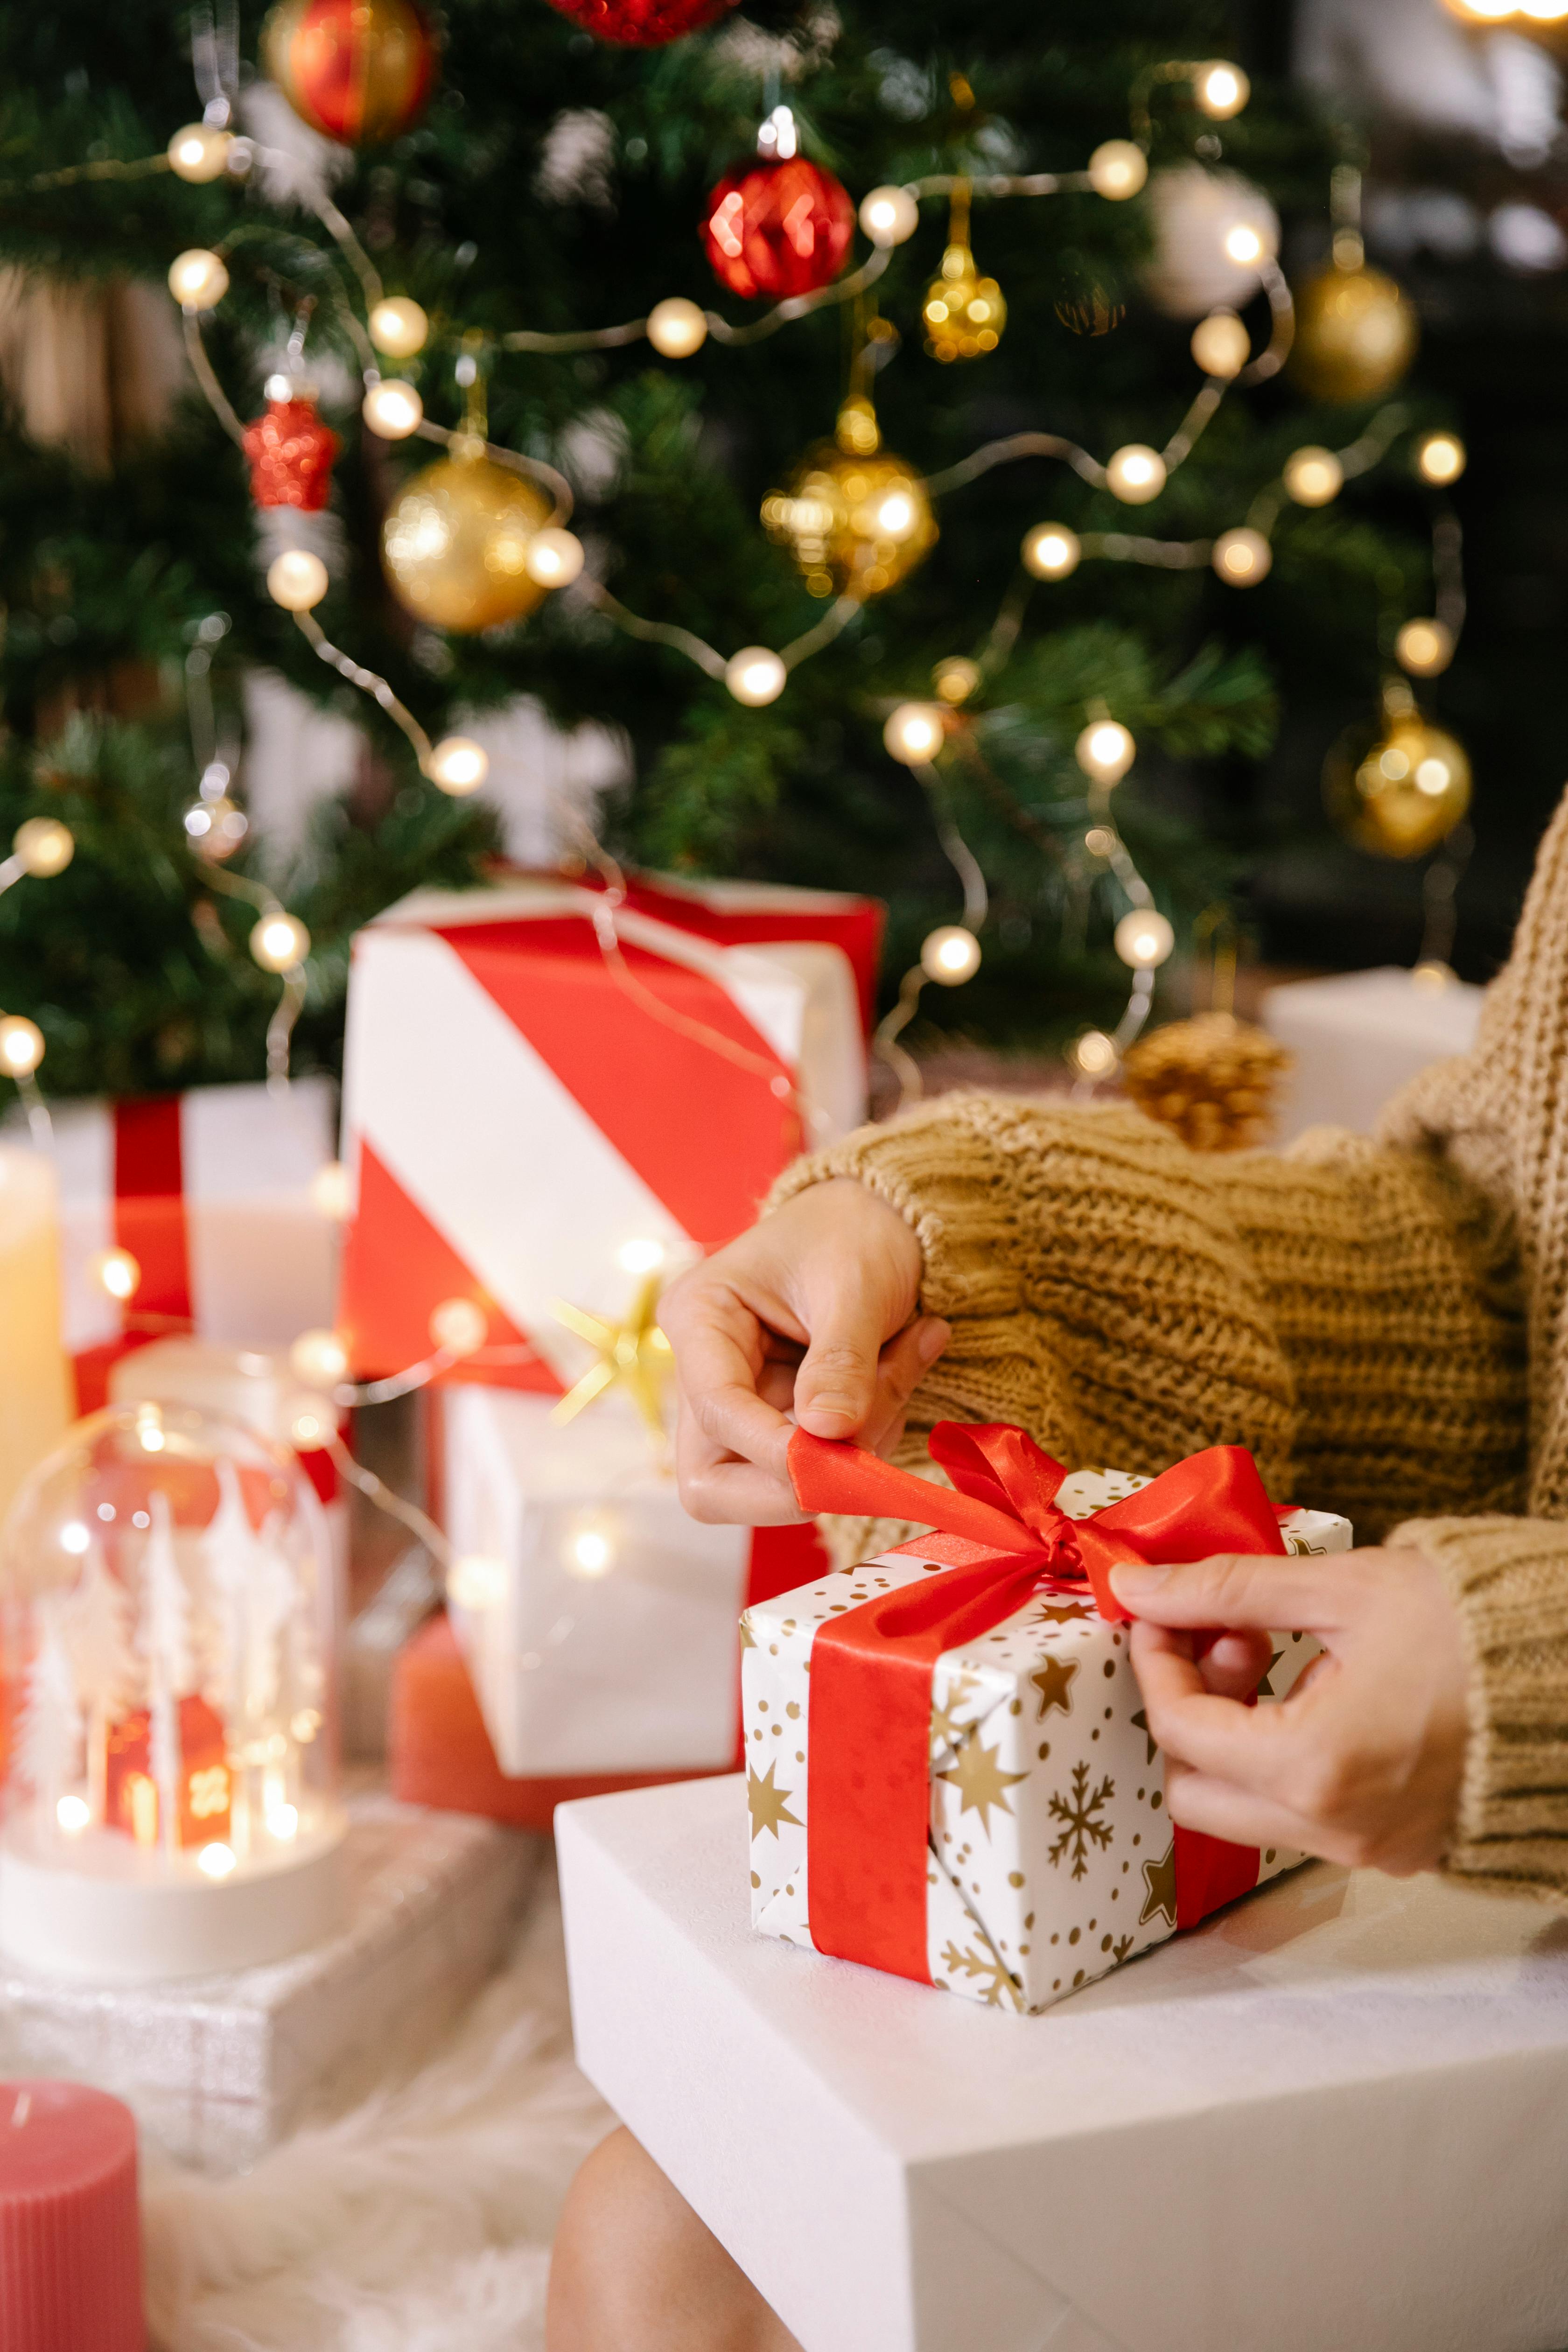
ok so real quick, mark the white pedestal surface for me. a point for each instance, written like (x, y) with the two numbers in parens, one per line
(1333, 2119)
(1357, 1037)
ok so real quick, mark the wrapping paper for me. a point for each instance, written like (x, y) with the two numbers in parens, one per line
(1050, 1856)
(518, 1106)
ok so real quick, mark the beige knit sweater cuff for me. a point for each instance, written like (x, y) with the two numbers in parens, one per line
(1508, 1580)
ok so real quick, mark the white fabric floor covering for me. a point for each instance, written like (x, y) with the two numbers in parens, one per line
(419, 2222)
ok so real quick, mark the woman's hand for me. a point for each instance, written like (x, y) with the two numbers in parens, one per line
(814, 1308)
(1362, 1763)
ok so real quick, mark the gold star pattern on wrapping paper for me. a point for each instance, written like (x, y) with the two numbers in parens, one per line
(980, 1780)
(634, 1355)
(1265, 1687)
(944, 1731)
(1053, 1682)
(1160, 1879)
(1059, 1613)
(768, 1804)
(1142, 1720)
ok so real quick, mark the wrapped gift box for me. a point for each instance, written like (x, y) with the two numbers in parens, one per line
(218, 2068)
(1336, 2115)
(1357, 1036)
(211, 1192)
(521, 1101)
(1050, 1857)
(598, 1620)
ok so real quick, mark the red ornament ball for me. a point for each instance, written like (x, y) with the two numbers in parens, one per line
(359, 70)
(643, 24)
(290, 454)
(778, 229)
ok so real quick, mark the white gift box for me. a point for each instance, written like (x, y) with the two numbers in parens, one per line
(520, 1102)
(1051, 1857)
(597, 1620)
(219, 2068)
(1358, 1036)
(1334, 2116)
(211, 1192)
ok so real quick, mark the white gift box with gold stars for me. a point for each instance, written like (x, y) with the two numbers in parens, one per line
(1051, 1857)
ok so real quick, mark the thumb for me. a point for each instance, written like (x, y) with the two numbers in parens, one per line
(835, 1386)
(1237, 1589)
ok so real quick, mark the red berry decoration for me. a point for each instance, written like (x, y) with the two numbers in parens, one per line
(776, 229)
(359, 70)
(290, 453)
(643, 24)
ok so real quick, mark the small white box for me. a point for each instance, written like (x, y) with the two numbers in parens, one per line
(606, 1638)
(1332, 2119)
(1357, 1036)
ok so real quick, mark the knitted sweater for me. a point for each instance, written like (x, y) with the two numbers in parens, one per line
(1384, 1324)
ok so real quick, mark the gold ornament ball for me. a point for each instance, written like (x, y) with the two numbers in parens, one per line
(393, 409)
(199, 152)
(677, 328)
(1212, 1078)
(1117, 170)
(1242, 557)
(1356, 333)
(964, 313)
(43, 846)
(1051, 550)
(1425, 648)
(1221, 345)
(852, 521)
(1313, 476)
(456, 541)
(1403, 791)
(398, 327)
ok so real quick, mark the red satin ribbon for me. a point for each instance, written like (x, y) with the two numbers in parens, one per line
(1000, 1533)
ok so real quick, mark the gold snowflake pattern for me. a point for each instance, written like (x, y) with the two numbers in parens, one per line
(1081, 1813)
(1001, 1985)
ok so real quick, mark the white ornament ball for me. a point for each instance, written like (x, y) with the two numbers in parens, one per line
(1214, 234)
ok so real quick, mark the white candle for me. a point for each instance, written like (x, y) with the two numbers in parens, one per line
(35, 1383)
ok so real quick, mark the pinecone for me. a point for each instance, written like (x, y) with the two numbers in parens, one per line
(1212, 1078)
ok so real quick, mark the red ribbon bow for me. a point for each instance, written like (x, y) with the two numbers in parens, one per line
(1001, 1533)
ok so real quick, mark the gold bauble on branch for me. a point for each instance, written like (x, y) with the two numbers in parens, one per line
(1398, 786)
(856, 519)
(963, 314)
(1212, 1078)
(456, 541)
(1356, 333)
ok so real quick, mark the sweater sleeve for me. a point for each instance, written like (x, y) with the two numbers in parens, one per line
(1507, 1578)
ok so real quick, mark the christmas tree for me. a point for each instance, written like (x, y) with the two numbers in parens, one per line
(550, 185)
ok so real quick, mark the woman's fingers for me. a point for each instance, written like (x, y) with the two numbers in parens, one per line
(900, 1367)
(1196, 1800)
(1234, 1589)
(1253, 1746)
(1234, 1664)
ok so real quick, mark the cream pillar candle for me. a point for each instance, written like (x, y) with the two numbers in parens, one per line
(35, 1383)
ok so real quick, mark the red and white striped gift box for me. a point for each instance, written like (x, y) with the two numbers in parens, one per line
(518, 1104)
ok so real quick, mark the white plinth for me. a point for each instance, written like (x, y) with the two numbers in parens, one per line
(1335, 2119)
(1357, 1037)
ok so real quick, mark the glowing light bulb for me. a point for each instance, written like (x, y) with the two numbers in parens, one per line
(115, 1271)
(956, 678)
(74, 1537)
(1105, 751)
(459, 765)
(1244, 245)
(950, 955)
(199, 152)
(398, 327)
(197, 279)
(1221, 90)
(319, 1358)
(297, 580)
(1440, 457)
(640, 1256)
(1425, 648)
(888, 215)
(1432, 977)
(1432, 776)
(1221, 344)
(73, 1814)
(21, 1045)
(282, 1823)
(677, 328)
(475, 1581)
(312, 1424)
(216, 1861)
(280, 942)
(1314, 476)
(1143, 938)
(1051, 550)
(915, 732)
(1100, 841)
(1136, 474)
(393, 409)
(1094, 1053)
(755, 674)
(591, 1554)
(1242, 557)
(1117, 169)
(332, 1193)
(459, 1327)
(554, 557)
(44, 846)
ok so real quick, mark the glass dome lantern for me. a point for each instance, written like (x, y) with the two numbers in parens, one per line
(169, 1799)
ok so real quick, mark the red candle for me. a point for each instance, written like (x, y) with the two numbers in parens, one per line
(71, 2237)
